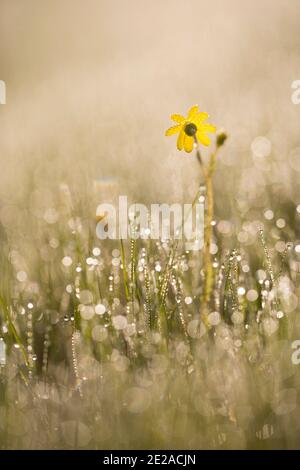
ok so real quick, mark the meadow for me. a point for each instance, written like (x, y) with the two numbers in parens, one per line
(143, 343)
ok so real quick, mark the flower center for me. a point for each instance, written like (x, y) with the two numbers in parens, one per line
(190, 129)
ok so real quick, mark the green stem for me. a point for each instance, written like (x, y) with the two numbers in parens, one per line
(207, 241)
(125, 276)
(13, 330)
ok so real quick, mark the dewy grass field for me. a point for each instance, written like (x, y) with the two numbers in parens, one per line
(142, 343)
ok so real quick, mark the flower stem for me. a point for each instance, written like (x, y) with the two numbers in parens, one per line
(207, 263)
(207, 240)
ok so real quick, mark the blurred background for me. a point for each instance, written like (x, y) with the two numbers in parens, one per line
(91, 85)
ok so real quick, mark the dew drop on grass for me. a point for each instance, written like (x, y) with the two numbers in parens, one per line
(245, 268)
(119, 322)
(280, 247)
(269, 214)
(214, 318)
(86, 296)
(67, 261)
(96, 251)
(270, 325)
(241, 290)
(252, 295)
(116, 261)
(100, 309)
(280, 223)
(99, 333)
(261, 147)
(87, 312)
(21, 276)
(237, 317)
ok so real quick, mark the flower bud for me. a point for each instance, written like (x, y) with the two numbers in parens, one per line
(221, 137)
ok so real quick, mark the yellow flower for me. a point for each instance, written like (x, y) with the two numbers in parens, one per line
(190, 129)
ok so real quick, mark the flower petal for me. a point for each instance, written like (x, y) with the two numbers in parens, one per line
(203, 138)
(188, 143)
(208, 128)
(193, 111)
(200, 117)
(173, 130)
(177, 118)
(180, 140)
